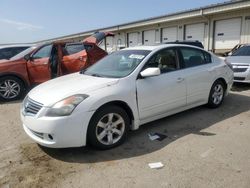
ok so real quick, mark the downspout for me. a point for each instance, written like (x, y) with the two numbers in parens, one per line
(209, 25)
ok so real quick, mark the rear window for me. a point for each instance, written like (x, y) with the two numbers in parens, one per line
(243, 51)
(73, 48)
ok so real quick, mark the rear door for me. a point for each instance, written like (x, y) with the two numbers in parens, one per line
(39, 65)
(198, 72)
(98, 37)
(94, 52)
(74, 58)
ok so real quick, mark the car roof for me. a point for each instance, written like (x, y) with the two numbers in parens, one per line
(160, 46)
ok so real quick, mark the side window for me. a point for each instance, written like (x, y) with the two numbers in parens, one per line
(6, 53)
(73, 48)
(194, 57)
(208, 58)
(43, 52)
(166, 60)
(88, 47)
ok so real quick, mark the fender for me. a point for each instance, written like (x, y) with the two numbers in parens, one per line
(25, 81)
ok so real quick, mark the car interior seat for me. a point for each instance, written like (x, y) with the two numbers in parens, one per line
(194, 60)
(167, 63)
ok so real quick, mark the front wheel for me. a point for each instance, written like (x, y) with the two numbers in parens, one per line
(217, 94)
(11, 88)
(108, 127)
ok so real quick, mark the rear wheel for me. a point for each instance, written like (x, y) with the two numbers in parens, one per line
(217, 94)
(108, 127)
(11, 88)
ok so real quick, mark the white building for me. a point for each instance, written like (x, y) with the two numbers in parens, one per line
(219, 27)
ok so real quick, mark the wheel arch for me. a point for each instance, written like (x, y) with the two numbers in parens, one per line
(122, 105)
(223, 81)
(26, 84)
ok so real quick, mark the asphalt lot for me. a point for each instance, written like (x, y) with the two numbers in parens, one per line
(204, 148)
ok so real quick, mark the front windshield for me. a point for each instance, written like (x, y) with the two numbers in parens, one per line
(23, 53)
(118, 64)
(243, 51)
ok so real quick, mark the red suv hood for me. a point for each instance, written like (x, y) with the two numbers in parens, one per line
(4, 60)
(98, 37)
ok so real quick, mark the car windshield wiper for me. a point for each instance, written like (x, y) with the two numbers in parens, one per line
(82, 71)
(96, 75)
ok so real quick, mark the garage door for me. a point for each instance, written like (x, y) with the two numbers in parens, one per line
(149, 37)
(110, 44)
(133, 39)
(169, 34)
(195, 32)
(227, 33)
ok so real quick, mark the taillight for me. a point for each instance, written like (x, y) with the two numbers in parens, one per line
(229, 64)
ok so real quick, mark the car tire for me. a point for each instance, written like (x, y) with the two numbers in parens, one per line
(108, 127)
(11, 88)
(217, 94)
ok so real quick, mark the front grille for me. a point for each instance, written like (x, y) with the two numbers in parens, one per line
(239, 78)
(32, 107)
(240, 69)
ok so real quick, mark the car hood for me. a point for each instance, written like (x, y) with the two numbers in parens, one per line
(4, 61)
(57, 89)
(238, 59)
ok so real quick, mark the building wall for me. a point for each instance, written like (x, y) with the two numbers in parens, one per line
(120, 40)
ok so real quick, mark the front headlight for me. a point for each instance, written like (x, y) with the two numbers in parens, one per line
(66, 106)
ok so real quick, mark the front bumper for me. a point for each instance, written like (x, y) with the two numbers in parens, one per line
(58, 132)
(243, 77)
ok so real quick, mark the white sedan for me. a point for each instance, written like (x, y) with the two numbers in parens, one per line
(240, 61)
(119, 93)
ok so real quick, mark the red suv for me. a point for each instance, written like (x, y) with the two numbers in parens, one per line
(41, 63)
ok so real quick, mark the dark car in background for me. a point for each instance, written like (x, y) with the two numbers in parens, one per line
(9, 51)
(240, 62)
(188, 42)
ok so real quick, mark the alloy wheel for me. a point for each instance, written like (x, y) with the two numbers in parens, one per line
(218, 93)
(110, 129)
(9, 89)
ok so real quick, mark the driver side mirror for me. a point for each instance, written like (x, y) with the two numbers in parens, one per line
(150, 72)
(27, 57)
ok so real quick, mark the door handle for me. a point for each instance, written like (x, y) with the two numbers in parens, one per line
(45, 63)
(179, 80)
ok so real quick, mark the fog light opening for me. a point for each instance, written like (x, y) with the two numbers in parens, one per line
(50, 137)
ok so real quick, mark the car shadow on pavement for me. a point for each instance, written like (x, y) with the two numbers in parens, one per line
(193, 121)
(239, 87)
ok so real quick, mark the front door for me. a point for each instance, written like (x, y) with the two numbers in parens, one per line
(39, 65)
(164, 93)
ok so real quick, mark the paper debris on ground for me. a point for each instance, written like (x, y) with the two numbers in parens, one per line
(157, 136)
(153, 137)
(157, 165)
